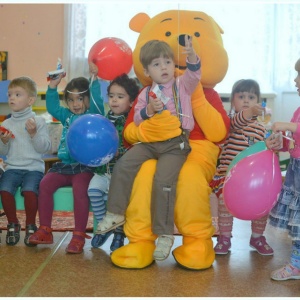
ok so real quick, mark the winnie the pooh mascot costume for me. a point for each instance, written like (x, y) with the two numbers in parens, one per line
(192, 209)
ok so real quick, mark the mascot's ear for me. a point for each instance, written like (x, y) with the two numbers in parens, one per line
(213, 21)
(138, 22)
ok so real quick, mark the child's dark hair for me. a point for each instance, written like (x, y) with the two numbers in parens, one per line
(129, 84)
(246, 85)
(154, 49)
(80, 84)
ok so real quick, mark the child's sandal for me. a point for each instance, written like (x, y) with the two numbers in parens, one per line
(77, 242)
(285, 273)
(42, 236)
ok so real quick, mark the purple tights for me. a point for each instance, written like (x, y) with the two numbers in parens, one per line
(48, 186)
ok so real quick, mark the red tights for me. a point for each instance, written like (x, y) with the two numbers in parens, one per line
(9, 206)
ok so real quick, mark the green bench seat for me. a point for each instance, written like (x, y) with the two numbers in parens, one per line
(63, 201)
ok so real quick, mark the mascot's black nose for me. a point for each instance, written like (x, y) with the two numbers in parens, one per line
(181, 39)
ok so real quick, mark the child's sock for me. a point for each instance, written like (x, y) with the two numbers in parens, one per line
(98, 204)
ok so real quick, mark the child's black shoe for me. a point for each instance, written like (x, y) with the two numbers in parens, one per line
(30, 230)
(13, 234)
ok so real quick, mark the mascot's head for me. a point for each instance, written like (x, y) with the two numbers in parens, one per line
(171, 26)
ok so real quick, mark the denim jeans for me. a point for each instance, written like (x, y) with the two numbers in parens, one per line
(27, 180)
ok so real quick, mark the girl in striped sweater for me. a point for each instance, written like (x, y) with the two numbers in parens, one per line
(245, 130)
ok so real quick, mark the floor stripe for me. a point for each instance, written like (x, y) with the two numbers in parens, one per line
(43, 265)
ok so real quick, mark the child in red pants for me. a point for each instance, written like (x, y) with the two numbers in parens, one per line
(68, 172)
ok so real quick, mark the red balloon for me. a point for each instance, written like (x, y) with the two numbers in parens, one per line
(252, 186)
(112, 56)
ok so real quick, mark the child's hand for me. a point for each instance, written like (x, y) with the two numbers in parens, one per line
(257, 110)
(6, 136)
(284, 126)
(30, 126)
(93, 70)
(274, 141)
(189, 50)
(155, 104)
(55, 82)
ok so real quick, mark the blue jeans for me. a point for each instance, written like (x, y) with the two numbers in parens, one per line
(29, 181)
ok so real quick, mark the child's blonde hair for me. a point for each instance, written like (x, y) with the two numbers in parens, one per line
(26, 83)
(297, 65)
(154, 49)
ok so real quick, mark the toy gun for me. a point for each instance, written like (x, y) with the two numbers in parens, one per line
(152, 94)
(52, 75)
(157, 93)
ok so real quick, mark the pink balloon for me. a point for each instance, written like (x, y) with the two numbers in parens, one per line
(252, 186)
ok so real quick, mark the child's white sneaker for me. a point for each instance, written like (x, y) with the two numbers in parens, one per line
(109, 222)
(163, 247)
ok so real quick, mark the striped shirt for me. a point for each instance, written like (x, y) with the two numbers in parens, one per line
(243, 133)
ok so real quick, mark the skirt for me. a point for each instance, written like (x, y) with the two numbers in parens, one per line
(285, 214)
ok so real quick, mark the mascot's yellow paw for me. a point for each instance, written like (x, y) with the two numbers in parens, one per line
(134, 255)
(195, 254)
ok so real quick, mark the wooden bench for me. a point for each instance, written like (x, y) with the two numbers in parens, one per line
(63, 201)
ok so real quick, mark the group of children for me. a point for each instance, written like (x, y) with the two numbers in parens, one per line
(245, 130)
(91, 185)
(108, 187)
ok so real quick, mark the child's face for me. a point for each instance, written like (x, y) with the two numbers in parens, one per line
(161, 70)
(297, 80)
(77, 103)
(244, 100)
(118, 100)
(19, 99)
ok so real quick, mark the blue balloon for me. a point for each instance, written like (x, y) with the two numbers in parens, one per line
(92, 140)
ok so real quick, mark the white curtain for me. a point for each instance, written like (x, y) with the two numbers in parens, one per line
(286, 47)
(261, 39)
(74, 60)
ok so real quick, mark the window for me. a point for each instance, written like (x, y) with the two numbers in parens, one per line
(260, 38)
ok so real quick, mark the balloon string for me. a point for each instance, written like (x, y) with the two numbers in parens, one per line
(288, 138)
(273, 167)
(91, 94)
(178, 58)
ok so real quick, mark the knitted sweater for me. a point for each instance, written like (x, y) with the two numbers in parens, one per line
(24, 152)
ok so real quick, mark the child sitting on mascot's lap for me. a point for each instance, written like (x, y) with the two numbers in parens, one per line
(192, 214)
(174, 97)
